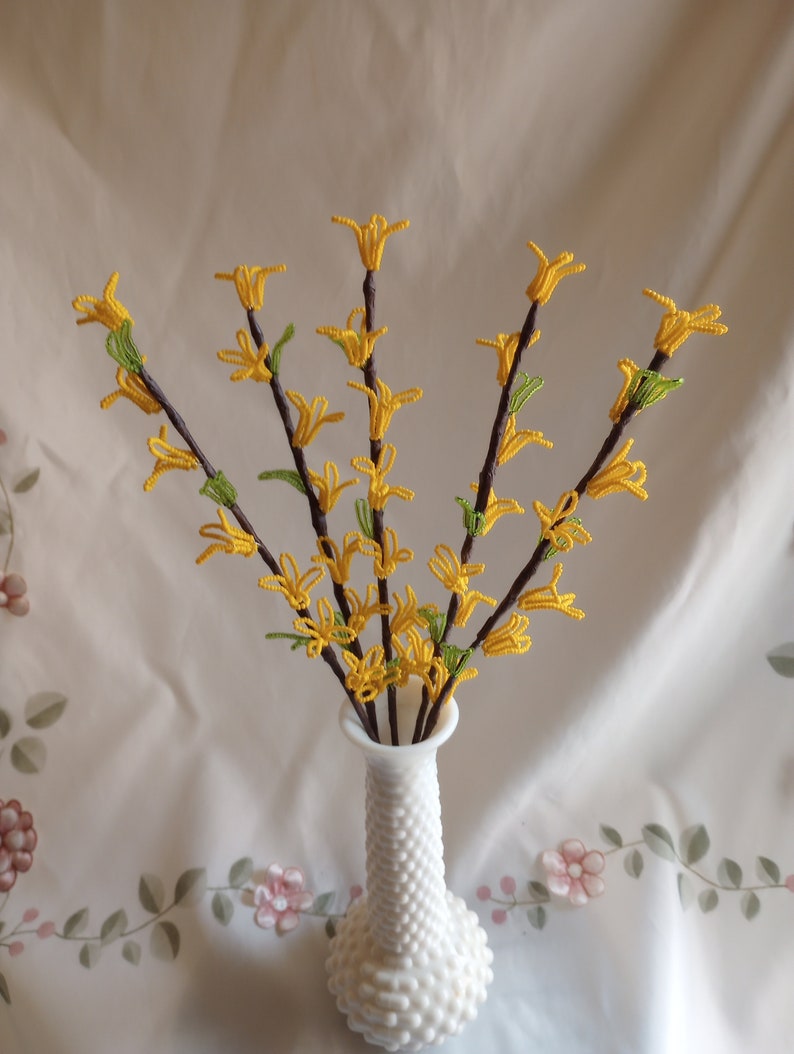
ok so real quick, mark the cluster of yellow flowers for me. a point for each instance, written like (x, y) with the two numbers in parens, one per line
(413, 637)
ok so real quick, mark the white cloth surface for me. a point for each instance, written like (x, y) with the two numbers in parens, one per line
(173, 141)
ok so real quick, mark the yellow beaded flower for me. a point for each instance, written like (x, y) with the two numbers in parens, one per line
(130, 386)
(311, 417)
(167, 457)
(505, 345)
(323, 630)
(338, 560)
(677, 325)
(251, 363)
(508, 639)
(357, 345)
(383, 405)
(250, 283)
(617, 476)
(328, 486)
(550, 273)
(228, 539)
(371, 237)
(448, 569)
(561, 532)
(514, 440)
(379, 490)
(547, 597)
(108, 311)
(295, 586)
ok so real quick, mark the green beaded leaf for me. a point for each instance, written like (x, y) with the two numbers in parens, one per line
(527, 389)
(366, 518)
(648, 387)
(220, 490)
(121, 347)
(436, 621)
(288, 475)
(299, 640)
(455, 658)
(473, 521)
(275, 354)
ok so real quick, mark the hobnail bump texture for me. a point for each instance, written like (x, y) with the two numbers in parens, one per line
(409, 964)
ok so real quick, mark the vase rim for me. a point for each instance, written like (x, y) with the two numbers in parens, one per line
(408, 699)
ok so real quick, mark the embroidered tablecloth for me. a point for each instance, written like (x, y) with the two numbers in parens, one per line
(181, 820)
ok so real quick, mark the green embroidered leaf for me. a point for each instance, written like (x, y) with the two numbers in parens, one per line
(321, 903)
(131, 952)
(750, 905)
(151, 893)
(686, 892)
(164, 941)
(729, 873)
(366, 518)
(275, 354)
(538, 891)
(222, 908)
(28, 755)
(121, 347)
(5, 724)
(611, 836)
(76, 923)
(240, 871)
(89, 955)
(537, 917)
(473, 521)
(4, 992)
(708, 900)
(113, 927)
(436, 621)
(44, 708)
(330, 928)
(782, 659)
(694, 844)
(220, 490)
(648, 387)
(633, 863)
(27, 481)
(659, 840)
(288, 475)
(528, 387)
(767, 870)
(190, 887)
(299, 641)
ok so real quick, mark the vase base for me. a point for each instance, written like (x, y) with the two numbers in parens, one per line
(408, 1002)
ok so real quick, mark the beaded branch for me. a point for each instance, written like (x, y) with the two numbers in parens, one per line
(412, 638)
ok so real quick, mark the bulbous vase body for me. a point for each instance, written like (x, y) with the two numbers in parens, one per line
(409, 964)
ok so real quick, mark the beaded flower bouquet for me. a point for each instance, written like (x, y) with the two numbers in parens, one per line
(409, 965)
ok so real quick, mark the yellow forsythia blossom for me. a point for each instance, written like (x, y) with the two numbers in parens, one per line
(131, 387)
(338, 563)
(362, 610)
(453, 575)
(505, 345)
(514, 440)
(228, 539)
(496, 508)
(617, 476)
(628, 368)
(108, 311)
(328, 486)
(508, 639)
(357, 345)
(252, 363)
(323, 630)
(371, 237)
(379, 490)
(250, 283)
(367, 677)
(677, 325)
(387, 556)
(382, 404)
(312, 417)
(467, 605)
(550, 273)
(167, 457)
(561, 533)
(407, 614)
(547, 597)
(295, 586)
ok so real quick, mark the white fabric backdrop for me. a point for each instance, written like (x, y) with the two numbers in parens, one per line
(171, 141)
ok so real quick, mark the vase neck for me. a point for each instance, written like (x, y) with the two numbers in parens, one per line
(406, 892)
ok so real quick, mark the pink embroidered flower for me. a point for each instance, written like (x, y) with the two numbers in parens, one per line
(574, 872)
(12, 594)
(17, 842)
(281, 898)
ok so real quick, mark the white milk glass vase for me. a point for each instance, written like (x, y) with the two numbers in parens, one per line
(409, 964)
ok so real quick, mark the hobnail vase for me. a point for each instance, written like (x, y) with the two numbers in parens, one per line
(409, 964)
